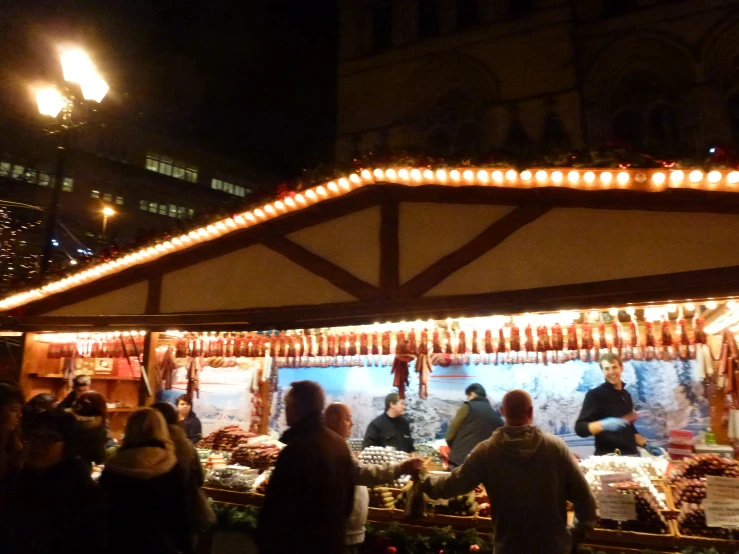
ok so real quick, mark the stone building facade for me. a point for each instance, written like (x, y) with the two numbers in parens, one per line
(458, 76)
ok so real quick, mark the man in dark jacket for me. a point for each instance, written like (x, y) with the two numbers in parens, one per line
(311, 492)
(529, 478)
(391, 428)
(53, 507)
(608, 413)
(80, 384)
(475, 422)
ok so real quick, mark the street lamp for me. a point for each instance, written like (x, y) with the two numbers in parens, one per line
(107, 212)
(78, 69)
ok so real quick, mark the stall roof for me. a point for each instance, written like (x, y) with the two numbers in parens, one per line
(422, 242)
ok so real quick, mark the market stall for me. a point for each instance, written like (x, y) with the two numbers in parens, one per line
(513, 279)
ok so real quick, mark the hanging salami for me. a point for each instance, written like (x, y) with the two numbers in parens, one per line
(515, 338)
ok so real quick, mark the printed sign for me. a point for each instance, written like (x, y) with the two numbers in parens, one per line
(606, 480)
(722, 513)
(618, 507)
(722, 488)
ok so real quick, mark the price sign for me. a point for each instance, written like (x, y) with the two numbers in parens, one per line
(618, 507)
(722, 513)
(722, 488)
(606, 480)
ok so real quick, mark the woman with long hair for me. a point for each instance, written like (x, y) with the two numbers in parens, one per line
(11, 449)
(91, 411)
(146, 490)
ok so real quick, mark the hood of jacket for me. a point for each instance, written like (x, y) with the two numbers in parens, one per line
(143, 462)
(520, 442)
(88, 422)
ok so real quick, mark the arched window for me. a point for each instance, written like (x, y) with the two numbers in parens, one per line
(643, 114)
(453, 124)
(662, 126)
(628, 128)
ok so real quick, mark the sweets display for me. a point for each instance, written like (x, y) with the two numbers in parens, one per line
(381, 497)
(226, 438)
(259, 455)
(649, 518)
(233, 478)
(702, 465)
(216, 460)
(594, 480)
(689, 492)
(381, 455)
(355, 444)
(650, 468)
(463, 505)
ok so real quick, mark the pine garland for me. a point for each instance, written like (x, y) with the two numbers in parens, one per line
(394, 538)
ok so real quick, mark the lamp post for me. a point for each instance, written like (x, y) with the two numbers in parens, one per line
(107, 212)
(78, 69)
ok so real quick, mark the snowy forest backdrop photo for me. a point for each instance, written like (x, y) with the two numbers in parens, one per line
(667, 395)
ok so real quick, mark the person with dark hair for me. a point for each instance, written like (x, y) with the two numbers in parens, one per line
(188, 420)
(91, 411)
(608, 413)
(311, 491)
(37, 405)
(146, 490)
(529, 477)
(11, 448)
(391, 428)
(53, 507)
(80, 384)
(474, 422)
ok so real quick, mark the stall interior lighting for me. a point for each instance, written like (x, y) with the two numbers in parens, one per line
(72, 337)
(645, 180)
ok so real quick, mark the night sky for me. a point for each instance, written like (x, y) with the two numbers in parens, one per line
(255, 80)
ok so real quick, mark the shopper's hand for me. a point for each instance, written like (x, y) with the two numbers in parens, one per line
(653, 449)
(613, 423)
(412, 467)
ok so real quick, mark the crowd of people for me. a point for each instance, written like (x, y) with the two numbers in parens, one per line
(148, 498)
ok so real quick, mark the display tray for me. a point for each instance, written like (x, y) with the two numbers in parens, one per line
(727, 545)
(634, 538)
(234, 497)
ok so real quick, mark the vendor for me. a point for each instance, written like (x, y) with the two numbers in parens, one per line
(390, 428)
(475, 422)
(80, 384)
(608, 414)
(188, 420)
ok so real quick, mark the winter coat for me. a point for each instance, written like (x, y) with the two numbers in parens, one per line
(310, 494)
(193, 428)
(58, 510)
(529, 477)
(389, 431)
(187, 456)
(147, 498)
(90, 439)
(478, 425)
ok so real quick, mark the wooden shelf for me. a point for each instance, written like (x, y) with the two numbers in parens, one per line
(93, 377)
